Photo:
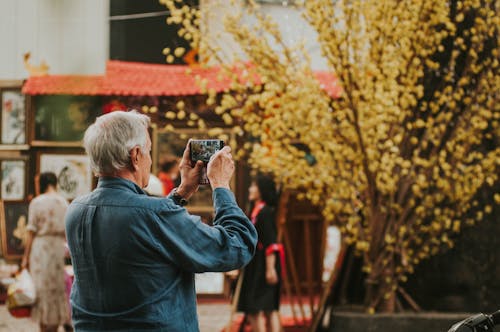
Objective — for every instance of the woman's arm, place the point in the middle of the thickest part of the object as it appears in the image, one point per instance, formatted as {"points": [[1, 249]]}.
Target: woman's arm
{"points": [[271, 274], [27, 251], [267, 235]]}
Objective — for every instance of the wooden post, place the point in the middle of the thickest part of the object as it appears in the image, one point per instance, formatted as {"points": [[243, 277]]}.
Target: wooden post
{"points": [[293, 271], [328, 289], [236, 298], [309, 267]]}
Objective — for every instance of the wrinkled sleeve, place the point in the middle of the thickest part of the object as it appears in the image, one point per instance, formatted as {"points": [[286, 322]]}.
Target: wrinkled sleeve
{"points": [[196, 247], [32, 218]]}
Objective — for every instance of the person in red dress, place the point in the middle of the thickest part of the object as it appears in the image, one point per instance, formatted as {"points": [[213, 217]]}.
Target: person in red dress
{"points": [[259, 297]]}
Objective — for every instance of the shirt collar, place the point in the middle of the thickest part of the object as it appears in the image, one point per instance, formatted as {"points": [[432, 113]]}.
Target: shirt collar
{"points": [[117, 183]]}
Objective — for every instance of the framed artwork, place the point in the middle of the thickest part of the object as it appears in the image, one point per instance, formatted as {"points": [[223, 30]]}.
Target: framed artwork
{"points": [[209, 283], [13, 119], [74, 176], [13, 228], [13, 181], [169, 145], [61, 120]]}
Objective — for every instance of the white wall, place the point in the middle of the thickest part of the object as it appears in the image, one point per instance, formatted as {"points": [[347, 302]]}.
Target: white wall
{"points": [[293, 27], [71, 36]]}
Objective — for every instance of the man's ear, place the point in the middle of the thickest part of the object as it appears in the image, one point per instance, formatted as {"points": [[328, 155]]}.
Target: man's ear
{"points": [[134, 158]]}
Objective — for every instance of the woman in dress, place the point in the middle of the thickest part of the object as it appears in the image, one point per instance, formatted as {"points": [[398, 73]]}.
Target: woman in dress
{"points": [[259, 297], [44, 254]]}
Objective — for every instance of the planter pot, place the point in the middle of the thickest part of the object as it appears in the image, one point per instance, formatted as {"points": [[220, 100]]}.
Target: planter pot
{"points": [[398, 322]]}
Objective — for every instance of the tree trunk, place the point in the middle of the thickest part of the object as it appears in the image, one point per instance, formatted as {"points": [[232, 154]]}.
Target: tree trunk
{"points": [[380, 295], [387, 304]]}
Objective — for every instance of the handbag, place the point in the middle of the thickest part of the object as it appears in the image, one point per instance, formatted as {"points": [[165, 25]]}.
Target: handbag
{"points": [[21, 295]]}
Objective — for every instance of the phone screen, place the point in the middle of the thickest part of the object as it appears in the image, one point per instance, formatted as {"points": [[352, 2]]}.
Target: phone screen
{"points": [[203, 149]]}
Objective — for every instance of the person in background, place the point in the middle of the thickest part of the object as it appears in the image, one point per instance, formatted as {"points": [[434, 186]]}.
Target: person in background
{"points": [[259, 297], [154, 187], [44, 254], [169, 172], [134, 255]]}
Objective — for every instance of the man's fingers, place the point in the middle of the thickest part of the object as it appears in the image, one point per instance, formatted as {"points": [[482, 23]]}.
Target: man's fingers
{"points": [[186, 155], [215, 155], [199, 165], [225, 150]]}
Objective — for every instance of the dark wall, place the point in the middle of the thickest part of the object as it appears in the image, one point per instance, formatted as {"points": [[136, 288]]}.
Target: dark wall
{"points": [[462, 279], [465, 278], [139, 32]]}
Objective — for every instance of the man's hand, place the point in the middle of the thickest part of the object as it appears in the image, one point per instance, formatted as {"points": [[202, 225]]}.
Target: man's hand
{"points": [[190, 176], [220, 168]]}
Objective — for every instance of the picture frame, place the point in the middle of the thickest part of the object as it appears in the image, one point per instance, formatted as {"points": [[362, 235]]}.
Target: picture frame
{"points": [[61, 120], [171, 145], [13, 228], [74, 176], [13, 116], [13, 180], [210, 283]]}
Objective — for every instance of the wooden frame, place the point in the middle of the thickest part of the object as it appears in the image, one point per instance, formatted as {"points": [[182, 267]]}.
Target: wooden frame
{"points": [[210, 283], [74, 176], [61, 120], [14, 179], [13, 228], [13, 116]]}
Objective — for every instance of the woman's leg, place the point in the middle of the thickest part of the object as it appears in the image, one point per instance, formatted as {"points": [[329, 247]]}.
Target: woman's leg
{"points": [[274, 321], [257, 321]]}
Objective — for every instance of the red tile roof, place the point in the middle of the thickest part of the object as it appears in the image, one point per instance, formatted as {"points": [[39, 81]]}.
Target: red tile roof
{"points": [[141, 79], [64, 84]]}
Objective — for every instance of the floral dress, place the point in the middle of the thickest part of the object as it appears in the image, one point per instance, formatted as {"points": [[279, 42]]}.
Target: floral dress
{"points": [[46, 220]]}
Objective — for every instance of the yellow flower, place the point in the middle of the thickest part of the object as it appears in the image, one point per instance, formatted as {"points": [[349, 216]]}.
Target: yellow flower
{"points": [[180, 105], [181, 115], [409, 158]]}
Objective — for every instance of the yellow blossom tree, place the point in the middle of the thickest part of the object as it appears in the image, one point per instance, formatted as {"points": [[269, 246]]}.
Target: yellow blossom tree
{"points": [[398, 159]]}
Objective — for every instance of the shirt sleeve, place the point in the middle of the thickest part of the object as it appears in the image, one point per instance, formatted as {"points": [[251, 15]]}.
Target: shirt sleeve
{"points": [[32, 218], [196, 247]]}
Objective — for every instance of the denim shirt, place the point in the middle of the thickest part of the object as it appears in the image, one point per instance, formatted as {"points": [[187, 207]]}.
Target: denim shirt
{"points": [[135, 256]]}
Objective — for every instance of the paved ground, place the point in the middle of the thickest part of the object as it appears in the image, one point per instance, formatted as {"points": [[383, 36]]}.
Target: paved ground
{"points": [[213, 317]]}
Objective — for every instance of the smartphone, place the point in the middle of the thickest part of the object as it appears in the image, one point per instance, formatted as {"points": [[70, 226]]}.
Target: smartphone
{"points": [[203, 149]]}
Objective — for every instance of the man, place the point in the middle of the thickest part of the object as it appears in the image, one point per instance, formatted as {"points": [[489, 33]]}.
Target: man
{"points": [[134, 255]]}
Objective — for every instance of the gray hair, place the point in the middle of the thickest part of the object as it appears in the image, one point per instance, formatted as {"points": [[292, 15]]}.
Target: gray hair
{"points": [[110, 138]]}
